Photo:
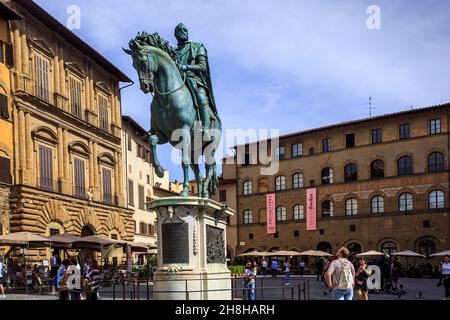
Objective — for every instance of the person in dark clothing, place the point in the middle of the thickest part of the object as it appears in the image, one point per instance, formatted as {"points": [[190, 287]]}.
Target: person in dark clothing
{"points": [[361, 280], [320, 268]]}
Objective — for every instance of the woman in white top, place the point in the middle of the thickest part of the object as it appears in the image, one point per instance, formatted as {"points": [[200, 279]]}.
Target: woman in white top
{"points": [[445, 273]]}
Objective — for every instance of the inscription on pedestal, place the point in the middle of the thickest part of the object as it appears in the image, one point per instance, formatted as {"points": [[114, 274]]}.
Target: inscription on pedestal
{"points": [[175, 242], [215, 245]]}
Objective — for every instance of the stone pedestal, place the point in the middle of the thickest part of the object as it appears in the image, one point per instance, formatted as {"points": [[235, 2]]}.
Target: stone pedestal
{"points": [[191, 249]]}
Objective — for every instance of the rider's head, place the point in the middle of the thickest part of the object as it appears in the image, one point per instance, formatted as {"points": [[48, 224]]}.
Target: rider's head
{"points": [[181, 33]]}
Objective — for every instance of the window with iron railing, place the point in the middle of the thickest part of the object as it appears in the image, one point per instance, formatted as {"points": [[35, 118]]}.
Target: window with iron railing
{"points": [[42, 66], [75, 97]]}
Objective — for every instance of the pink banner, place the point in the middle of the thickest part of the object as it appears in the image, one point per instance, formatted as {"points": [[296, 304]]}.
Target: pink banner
{"points": [[311, 209], [271, 218]]}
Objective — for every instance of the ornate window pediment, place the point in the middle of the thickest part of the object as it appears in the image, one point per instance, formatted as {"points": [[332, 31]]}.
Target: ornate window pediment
{"points": [[103, 87], [76, 68], [45, 134], [107, 159], [79, 148], [40, 45]]}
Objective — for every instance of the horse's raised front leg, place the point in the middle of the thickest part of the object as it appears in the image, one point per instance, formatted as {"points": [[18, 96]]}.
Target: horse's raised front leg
{"points": [[185, 160], [154, 139]]}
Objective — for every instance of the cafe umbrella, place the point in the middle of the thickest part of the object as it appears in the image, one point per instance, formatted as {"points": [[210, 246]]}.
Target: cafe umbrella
{"points": [[24, 240]]}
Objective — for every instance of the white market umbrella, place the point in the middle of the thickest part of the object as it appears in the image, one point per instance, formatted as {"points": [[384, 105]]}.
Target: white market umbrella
{"points": [[255, 253], [441, 254], [314, 253], [408, 253], [372, 253], [282, 253]]}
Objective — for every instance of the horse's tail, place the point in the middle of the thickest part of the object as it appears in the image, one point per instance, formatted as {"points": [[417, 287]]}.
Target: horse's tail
{"points": [[213, 185]]}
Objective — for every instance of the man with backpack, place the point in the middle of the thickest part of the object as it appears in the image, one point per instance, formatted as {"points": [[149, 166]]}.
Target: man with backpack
{"points": [[340, 276]]}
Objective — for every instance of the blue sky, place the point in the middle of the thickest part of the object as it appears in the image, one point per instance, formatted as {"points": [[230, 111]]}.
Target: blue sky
{"points": [[290, 64]]}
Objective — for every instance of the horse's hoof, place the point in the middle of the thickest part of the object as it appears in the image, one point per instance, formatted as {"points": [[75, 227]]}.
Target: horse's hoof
{"points": [[184, 193], [205, 195]]}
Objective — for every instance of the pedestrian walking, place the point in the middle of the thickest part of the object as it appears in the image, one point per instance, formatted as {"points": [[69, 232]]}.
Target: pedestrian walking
{"points": [[75, 293], [61, 279], [320, 268], [445, 276], [301, 267], [340, 276], [2, 279], [93, 278], [287, 273], [54, 266], [264, 267], [274, 268], [250, 281], [361, 280]]}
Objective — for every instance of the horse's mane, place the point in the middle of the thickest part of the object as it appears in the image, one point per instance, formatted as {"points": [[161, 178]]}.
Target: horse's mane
{"points": [[155, 40]]}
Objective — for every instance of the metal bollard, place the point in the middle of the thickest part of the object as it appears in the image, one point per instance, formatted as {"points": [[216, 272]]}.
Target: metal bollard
{"points": [[186, 288], [123, 288], [148, 290], [114, 290], [292, 293], [299, 292]]}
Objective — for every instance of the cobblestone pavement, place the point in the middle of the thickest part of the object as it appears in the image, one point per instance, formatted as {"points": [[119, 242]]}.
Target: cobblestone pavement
{"points": [[273, 290]]}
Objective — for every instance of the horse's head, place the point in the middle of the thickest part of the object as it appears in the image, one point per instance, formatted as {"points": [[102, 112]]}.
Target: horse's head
{"points": [[144, 62]]}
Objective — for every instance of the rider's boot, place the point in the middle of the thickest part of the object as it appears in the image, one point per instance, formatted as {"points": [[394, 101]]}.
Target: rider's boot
{"points": [[204, 113]]}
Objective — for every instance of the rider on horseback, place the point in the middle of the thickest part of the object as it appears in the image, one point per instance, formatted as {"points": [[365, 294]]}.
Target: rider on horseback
{"points": [[193, 63]]}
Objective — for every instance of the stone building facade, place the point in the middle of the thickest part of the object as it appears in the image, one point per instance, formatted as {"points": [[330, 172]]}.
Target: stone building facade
{"points": [[382, 183], [68, 165], [6, 127]]}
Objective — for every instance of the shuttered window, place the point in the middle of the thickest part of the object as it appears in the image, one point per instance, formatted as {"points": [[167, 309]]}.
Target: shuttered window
{"points": [[107, 196], [143, 228], [46, 168], [75, 97], [4, 113], [141, 198], [130, 193], [79, 178], [150, 229], [9, 54], [103, 111], [5, 170], [42, 69]]}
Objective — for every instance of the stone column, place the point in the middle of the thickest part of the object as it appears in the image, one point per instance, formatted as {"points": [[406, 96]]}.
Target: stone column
{"points": [[94, 156], [28, 141], [117, 190], [25, 54], [22, 142], [91, 165], [120, 170], [60, 155], [92, 95], [87, 94], [56, 75], [17, 51], [62, 78], [66, 164], [16, 144]]}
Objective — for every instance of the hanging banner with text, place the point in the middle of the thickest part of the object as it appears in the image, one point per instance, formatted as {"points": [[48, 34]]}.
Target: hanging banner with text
{"points": [[271, 218], [311, 209]]}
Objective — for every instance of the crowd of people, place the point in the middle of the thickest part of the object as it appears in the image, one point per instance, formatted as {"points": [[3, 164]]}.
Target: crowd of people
{"points": [[343, 274]]}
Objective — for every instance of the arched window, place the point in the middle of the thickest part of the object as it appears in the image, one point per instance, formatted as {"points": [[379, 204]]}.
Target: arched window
{"points": [[324, 246], [299, 212], [388, 247], [263, 185], [404, 166], [350, 172], [297, 180], [327, 175], [354, 248], [280, 183], [426, 247], [351, 207], [281, 213], [405, 202], [377, 204], [435, 162], [436, 199], [377, 169], [248, 216], [327, 209], [248, 187]]}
